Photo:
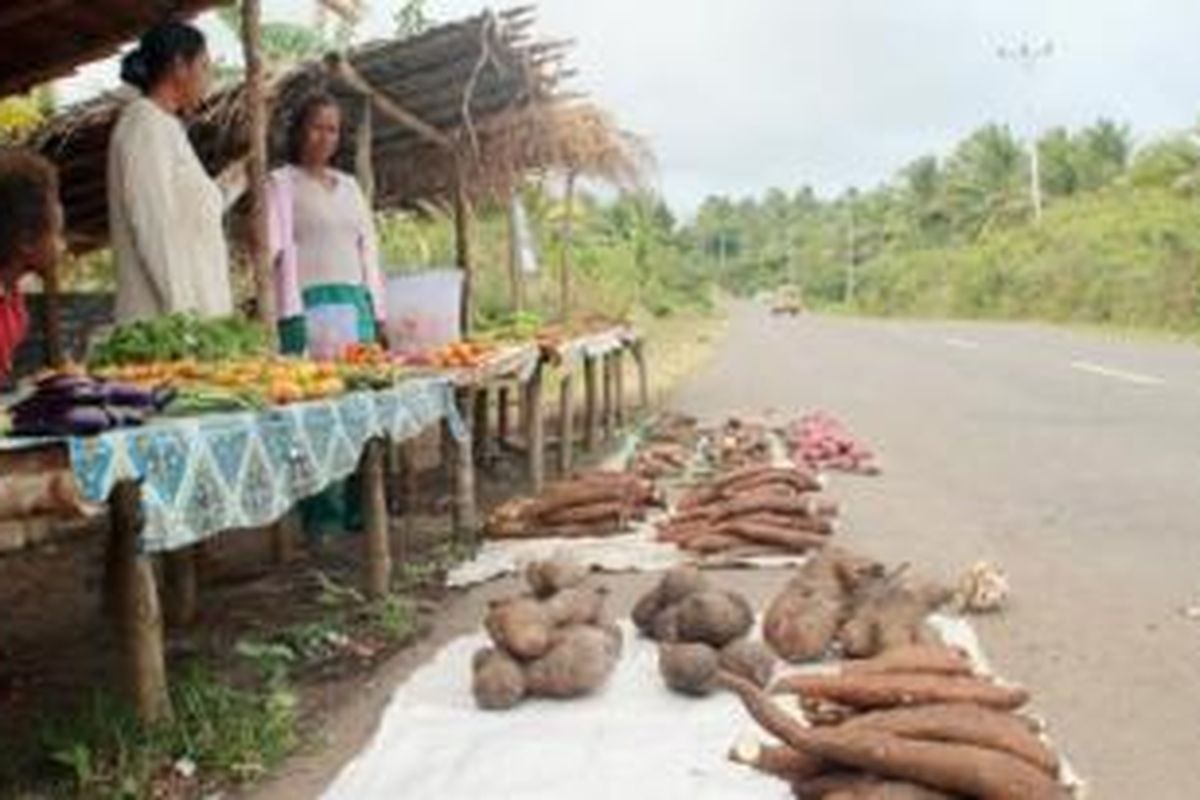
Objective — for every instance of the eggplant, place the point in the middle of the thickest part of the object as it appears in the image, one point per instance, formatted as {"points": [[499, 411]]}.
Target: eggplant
{"points": [[74, 421], [126, 416], [123, 394], [63, 382]]}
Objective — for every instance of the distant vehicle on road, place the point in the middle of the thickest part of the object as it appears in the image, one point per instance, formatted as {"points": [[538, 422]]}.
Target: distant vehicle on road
{"points": [[788, 300]]}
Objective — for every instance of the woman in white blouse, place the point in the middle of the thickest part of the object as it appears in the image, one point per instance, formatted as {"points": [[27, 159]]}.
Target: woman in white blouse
{"points": [[329, 287], [164, 210]]}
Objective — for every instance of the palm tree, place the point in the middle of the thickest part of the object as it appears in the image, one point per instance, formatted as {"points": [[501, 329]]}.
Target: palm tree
{"points": [[986, 178]]}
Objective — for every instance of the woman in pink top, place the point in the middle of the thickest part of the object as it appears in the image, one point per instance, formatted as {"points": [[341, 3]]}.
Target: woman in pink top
{"points": [[31, 224], [329, 288]]}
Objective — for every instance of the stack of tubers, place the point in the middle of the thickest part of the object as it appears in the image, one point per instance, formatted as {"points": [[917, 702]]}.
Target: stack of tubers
{"points": [[915, 723], [822, 442], [555, 642], [701, 630], [738, 444], [753, 511], [590, 504], [839, 601]]}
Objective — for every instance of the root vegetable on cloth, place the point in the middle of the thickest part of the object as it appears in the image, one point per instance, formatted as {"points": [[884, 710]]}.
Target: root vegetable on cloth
{"points": [[498, 681], [522, 626], [802, 620], [917, 658], [891, 612], [956, 768], [857, 786], [895, 690], [749, 659], [714, 617], [689, 667], [552, 575], [676, 584], [579, 662]]}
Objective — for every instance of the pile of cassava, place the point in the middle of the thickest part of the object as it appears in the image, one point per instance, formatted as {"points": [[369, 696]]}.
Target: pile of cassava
{"points": [[904, 716], [589, 504], [557, 641], [755, 510], [700, 631], [915, 723]]}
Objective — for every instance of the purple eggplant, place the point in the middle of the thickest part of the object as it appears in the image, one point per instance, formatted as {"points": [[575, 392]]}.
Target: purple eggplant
{"points": [[75, 421], [123, 394]]}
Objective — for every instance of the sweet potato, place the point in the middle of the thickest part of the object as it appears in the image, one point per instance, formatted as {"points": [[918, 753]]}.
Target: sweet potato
{"points": [[802, 620], [963, 723], [521, 626], [579, 662], [955, 768], [932, 659], [895, 690], [545, 578], [688, 667], [776, 760], [576, 606], [749, 659], [497, 680], [714, 617]]}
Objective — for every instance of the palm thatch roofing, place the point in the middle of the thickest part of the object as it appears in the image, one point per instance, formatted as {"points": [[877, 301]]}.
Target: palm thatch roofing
{"points": [[478, 101], [47, 39]]}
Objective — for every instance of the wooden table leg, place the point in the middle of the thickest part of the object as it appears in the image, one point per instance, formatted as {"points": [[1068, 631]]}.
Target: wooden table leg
{"points": [[503, 402], [407, 491], [618, 359], [566, 422], [606, 408], [138, 616], [464, 521], [590, 405], [480, 432], [535, 430], [284, 535], [375, 520], [180, 569], [639, 359]]}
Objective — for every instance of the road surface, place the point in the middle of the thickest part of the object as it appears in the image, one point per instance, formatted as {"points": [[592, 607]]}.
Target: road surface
{"points": [[1073, 460]]}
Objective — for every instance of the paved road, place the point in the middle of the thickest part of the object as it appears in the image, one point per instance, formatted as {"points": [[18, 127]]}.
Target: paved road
{"points": [[1071, 459]]}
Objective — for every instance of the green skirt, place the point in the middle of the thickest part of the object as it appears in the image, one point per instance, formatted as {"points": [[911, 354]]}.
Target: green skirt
{"points": [[338, 509]]}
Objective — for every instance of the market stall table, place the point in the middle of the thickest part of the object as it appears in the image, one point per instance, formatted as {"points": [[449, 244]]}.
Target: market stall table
{"points": [[604, 395], [175, 483]]}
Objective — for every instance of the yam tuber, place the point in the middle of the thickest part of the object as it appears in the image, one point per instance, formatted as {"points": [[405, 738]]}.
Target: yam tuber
{"points": [[777, 760], [497, 680], [676, 584], [894, 690], [802, 620], [955, 768], [553, 575], [576, 606], [579, 662], [749, 659], [521, 626], [890, 612], [688, 667], [714, 617]]}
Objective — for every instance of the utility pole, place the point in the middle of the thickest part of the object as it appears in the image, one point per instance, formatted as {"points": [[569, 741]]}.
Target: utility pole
{"points": [[1028, 55]]}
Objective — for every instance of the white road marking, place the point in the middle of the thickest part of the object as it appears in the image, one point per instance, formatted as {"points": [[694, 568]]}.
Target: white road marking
{"points": [[1117, 374], [963, 344]]}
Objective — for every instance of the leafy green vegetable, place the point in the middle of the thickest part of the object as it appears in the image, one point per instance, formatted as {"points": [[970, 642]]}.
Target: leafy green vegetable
{"points": [[177, 337]]}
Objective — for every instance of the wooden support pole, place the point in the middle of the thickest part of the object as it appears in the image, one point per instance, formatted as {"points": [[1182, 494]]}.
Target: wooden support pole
{"points": [[590, 405], [408, 491], [516, 280], [284, 535], [180, 569], [462, 245], [618, 359], [256, 163], [52, 317], [465, 524], [503, 402], [606, 399], [535, 430], [138, 616], [480, 433], [637, 348], [566, 422], [568, 235], [375, 519]]}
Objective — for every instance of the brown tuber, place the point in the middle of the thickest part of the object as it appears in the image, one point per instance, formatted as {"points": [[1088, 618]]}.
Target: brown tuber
{"points": [[749, 659], [521, 626], [579, 662], [546, 578], [714, 617], [497, 681], [688, 668]]}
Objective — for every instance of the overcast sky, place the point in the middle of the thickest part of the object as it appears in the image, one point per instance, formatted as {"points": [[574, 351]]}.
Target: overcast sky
{"points": [[739, 95]]}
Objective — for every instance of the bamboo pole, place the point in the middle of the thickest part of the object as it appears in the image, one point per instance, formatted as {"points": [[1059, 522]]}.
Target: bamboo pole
{"points": [[566, 422], [138, 616], [568, 234], [535, 430], [590, 404], [375, 516], [256, 163]]}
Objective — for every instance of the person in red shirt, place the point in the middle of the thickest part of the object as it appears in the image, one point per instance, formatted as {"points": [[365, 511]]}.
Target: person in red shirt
{"points": [[31, 227]]}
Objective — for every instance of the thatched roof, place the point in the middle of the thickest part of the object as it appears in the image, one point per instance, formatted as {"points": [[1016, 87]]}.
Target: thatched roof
{"points": [[47, 39], [481, 92]]}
